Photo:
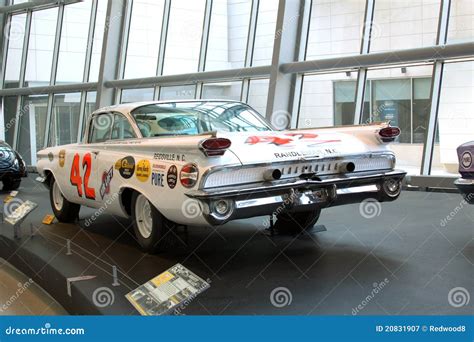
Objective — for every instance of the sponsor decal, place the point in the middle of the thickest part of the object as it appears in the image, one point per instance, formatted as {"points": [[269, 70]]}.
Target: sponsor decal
{"points": [[466, 160], [287, 139], [62, 157], [106, 180], [157, 178], [156, 166], [189, 175], [170, 156], [287, 154], [172, 176], [50, 156], [143, 170], [307, 153], [126, 167]]}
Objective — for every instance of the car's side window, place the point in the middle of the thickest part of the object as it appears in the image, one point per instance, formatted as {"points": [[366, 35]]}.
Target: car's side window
{"points": [[101, 127], [122, 128]]}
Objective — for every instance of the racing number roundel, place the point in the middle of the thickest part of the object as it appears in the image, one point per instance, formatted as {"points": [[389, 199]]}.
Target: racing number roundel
{"points": [[189, 175], [79, 180]]}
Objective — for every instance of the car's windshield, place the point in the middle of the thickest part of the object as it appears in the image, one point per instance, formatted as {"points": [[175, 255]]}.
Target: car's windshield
{"points": [[190, 118]]}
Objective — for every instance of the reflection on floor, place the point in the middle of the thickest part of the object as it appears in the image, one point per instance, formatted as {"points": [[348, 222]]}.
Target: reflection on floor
{"points": [[20, 296]]}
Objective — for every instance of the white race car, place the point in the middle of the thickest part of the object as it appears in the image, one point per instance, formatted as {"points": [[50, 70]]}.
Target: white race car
{"points": [[208, 162]]}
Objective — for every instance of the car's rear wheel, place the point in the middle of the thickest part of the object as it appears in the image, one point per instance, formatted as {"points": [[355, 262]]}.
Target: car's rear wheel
{"points": [[152, 230], [297, 222], [390, 190], [64, 210], [10, 184]]}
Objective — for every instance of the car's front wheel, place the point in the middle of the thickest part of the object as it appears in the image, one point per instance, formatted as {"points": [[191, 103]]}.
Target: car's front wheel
{"points": [[152, 230], [64, 210], [297, 222], [10, 184]]}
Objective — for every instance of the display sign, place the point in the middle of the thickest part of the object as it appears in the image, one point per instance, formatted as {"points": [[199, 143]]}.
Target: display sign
{"points": [[167, 291], [21, 212], [48, 219]]}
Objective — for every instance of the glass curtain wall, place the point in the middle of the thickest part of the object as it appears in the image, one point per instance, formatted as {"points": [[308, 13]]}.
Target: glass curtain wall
{"points": [[222, 90], [455, 116], [228, 33], [9, 108], [73, 43], [185, 30], [65, 118], [144, 38], [404, 24], [33, 118], [335, 28], [400, 93], [39, 61], [15, 40]]}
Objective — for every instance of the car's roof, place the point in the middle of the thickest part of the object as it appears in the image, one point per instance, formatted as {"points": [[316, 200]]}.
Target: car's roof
{"points": [[128, 107]]}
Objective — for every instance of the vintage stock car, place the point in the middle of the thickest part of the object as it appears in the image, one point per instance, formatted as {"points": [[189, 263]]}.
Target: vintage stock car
{"points": [[465, 184], [208, 162]]}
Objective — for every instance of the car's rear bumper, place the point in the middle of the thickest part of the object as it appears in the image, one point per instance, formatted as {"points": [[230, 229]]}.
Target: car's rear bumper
{"points": [[466, 187], [294, 195]]}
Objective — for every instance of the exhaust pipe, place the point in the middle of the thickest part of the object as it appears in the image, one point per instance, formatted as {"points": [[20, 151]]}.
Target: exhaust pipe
{"points": [[347, 167], [271, 175]]}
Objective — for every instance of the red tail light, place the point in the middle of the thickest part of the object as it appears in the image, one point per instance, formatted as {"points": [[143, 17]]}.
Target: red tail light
{"points": [[389, 133], [215, 146]]}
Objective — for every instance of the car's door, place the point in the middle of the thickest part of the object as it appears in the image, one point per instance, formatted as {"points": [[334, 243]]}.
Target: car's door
{"points": [[121, 131], [85, 173]]}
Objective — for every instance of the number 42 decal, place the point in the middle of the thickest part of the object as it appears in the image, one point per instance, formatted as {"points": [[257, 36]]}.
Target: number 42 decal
{"points": [[76, 178]]}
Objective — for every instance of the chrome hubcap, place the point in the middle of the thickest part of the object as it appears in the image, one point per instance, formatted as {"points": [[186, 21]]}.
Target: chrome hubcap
{"points": [[58, 198], [143, 216], [392, 187]]}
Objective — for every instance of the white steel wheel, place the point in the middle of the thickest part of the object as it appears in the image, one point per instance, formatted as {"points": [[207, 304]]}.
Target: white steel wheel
{"points": [[64, 210], [153, 231], [143, 216], [58, 199]]}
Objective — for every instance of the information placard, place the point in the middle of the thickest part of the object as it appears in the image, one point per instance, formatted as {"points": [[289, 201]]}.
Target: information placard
{"points": [[21, 212], [167, 292]]}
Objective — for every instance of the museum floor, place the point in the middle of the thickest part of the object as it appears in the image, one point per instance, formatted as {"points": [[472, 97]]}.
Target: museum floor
{"points": [[31, 301], [401, 259]]}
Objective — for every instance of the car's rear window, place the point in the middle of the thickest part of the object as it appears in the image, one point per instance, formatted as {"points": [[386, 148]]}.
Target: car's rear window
{"points": [[190, 118]]}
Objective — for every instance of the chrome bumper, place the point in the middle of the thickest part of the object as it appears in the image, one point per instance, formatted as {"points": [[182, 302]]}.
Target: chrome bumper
{"points": [[462, 182], [292, 195]]}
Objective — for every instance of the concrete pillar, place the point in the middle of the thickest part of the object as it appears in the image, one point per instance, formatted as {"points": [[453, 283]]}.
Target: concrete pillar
{"points": [[111, 50]]}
